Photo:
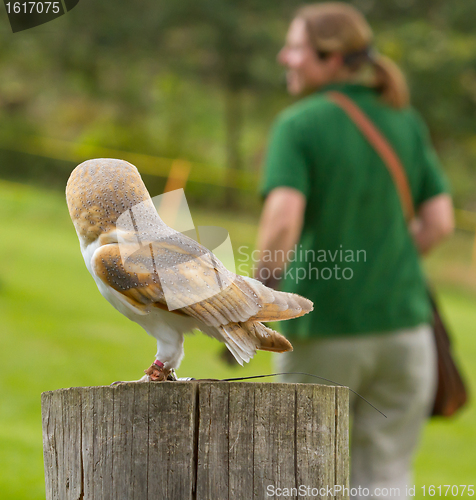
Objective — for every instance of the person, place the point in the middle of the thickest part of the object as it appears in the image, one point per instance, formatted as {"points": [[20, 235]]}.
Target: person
{"points": [[333, 228]]}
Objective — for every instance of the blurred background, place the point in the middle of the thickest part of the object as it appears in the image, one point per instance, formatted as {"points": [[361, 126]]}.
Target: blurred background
{"points": [[189, 86]]}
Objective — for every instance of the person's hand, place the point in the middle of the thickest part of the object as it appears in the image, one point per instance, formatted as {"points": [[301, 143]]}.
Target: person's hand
{"points": [[434, 222]]}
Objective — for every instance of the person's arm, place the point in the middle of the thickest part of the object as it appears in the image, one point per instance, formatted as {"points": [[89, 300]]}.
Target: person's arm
{"points": [[434, 222], [279, 231]]}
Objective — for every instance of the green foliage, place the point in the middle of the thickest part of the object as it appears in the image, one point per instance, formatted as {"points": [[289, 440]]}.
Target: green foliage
{"points": [[199, 79]]}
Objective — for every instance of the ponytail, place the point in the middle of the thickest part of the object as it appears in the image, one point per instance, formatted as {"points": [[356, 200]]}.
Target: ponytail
{"points": [[390, 81], [340, 27]]}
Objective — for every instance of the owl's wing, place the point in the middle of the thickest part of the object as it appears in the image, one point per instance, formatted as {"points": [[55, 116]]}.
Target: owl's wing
{"points": [[186, 278]]}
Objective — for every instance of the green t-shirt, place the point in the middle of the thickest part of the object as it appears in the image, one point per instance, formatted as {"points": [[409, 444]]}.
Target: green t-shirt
{"points": [[355, 259]]}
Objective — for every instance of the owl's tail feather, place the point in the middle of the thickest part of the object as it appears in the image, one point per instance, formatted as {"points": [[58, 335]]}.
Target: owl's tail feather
{"points": [[241, 345], [269, 340], [244, 339], [277, 306]]}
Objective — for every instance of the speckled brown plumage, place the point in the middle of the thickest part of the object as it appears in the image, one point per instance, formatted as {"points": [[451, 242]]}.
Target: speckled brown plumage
{"points": [[136, 260], [98, 192]]}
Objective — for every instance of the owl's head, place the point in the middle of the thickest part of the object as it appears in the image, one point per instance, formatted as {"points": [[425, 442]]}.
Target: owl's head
{"points": [[99, 191]]}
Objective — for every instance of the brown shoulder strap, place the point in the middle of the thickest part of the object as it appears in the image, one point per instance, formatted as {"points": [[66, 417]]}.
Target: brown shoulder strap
{"points": [[381, 146]]}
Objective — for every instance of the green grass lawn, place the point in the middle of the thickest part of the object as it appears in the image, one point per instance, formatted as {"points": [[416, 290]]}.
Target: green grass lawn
{"points": [[57, 331]]}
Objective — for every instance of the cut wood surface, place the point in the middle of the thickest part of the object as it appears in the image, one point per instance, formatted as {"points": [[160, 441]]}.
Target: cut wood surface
{"points": [[194, 441]]}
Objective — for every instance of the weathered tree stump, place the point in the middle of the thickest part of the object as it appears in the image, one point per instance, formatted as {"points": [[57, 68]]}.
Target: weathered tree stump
{"points": [[195, 440]]}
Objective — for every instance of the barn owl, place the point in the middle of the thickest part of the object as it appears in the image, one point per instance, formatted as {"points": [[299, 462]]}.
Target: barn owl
{"points": [[135, 262]]}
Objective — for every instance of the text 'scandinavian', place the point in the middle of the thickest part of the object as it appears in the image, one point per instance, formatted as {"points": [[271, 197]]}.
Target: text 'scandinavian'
{"points": [[142, 266]]}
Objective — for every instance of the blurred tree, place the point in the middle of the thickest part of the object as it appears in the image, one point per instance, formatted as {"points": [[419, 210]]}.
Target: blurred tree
{"points": [[224, 41], [198, 78]]}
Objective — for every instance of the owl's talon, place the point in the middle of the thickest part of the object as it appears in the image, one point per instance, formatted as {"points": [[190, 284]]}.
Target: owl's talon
{"points": [[157, 372]]}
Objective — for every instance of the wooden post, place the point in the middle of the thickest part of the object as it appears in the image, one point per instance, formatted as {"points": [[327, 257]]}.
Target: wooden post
{"points": [[195, 441]]}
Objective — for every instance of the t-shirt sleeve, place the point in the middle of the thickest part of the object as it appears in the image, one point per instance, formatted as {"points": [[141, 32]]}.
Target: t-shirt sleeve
{"points": [[285, 163], [432, 179]]}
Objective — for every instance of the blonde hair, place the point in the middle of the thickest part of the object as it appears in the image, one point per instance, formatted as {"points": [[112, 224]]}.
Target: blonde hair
{"points": [[340, 27]]}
